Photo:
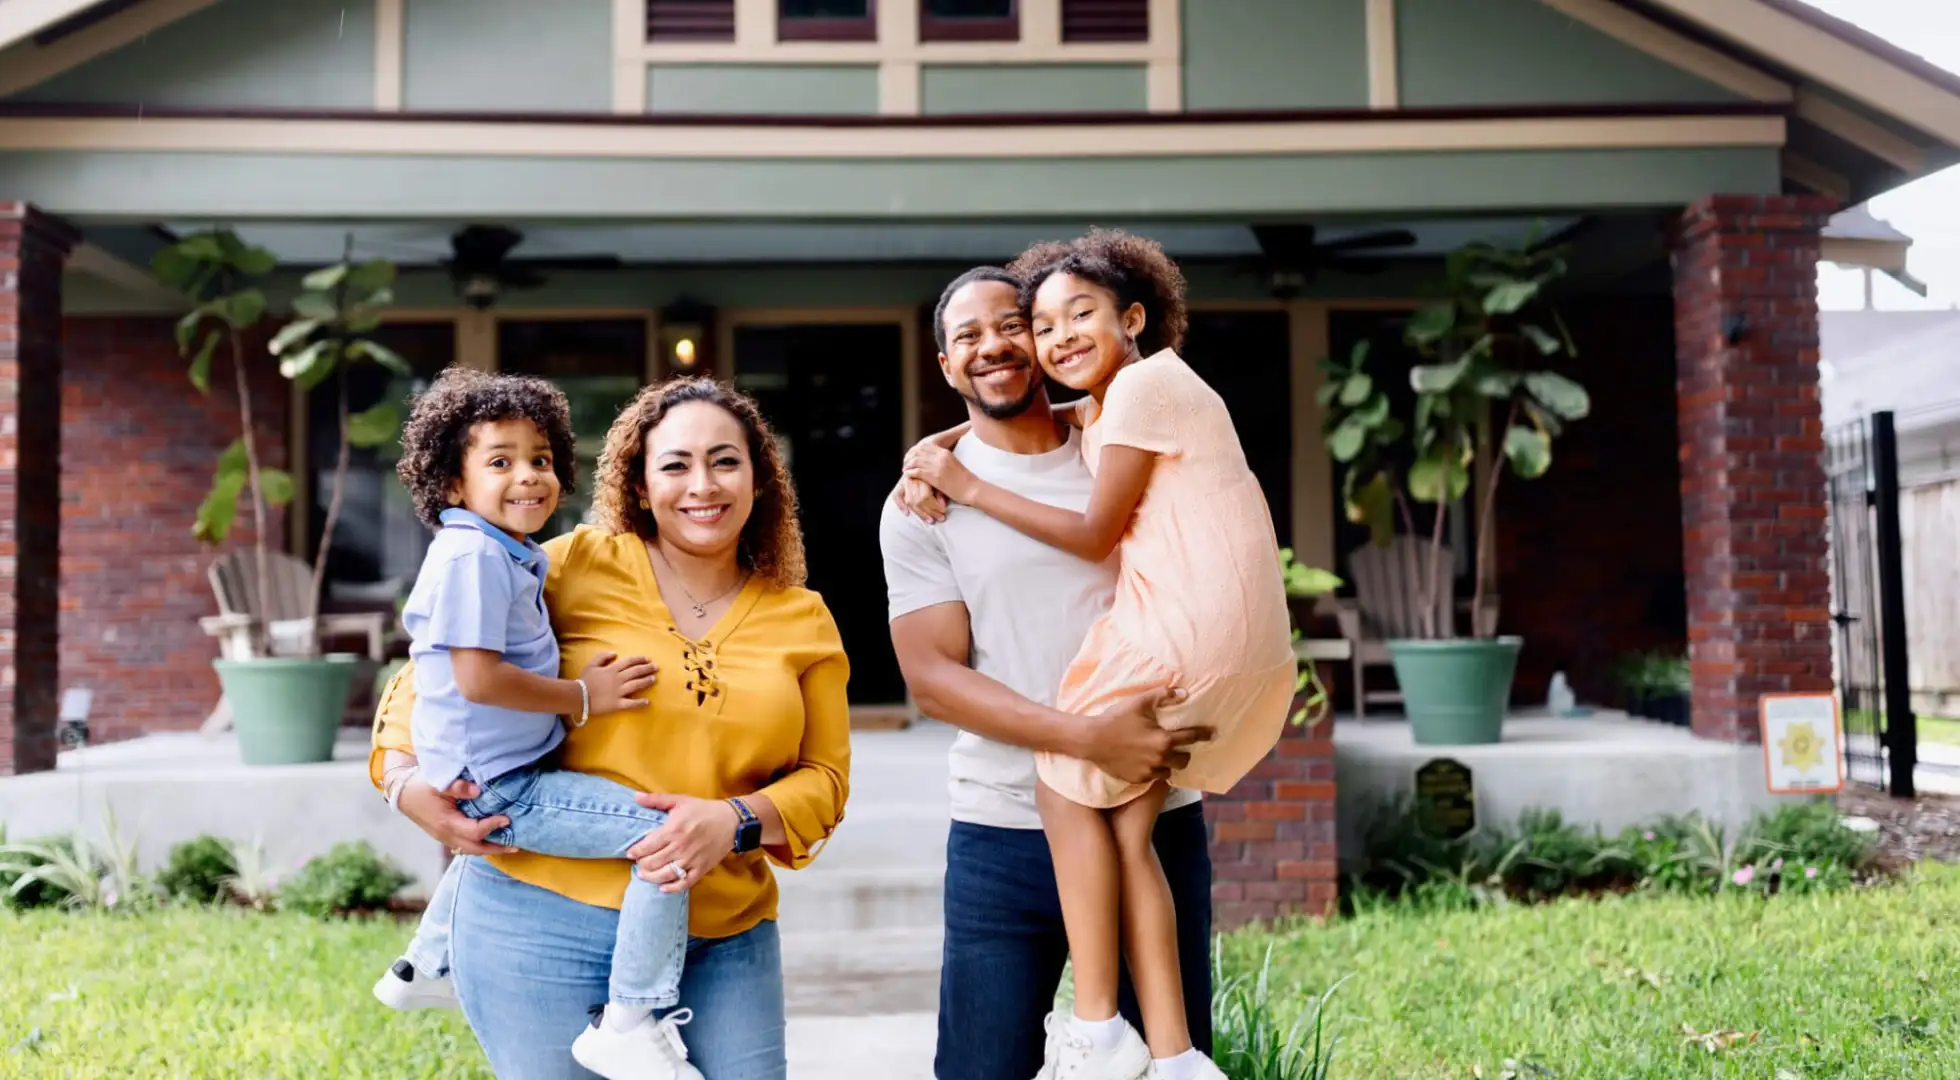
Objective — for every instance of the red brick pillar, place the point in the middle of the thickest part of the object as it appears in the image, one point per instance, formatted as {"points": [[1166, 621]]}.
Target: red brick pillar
{"points": [[1272, 836], [1753, 499], [33, 247]]}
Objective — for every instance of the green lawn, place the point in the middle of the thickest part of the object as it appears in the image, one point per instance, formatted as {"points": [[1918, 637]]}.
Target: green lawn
{"points": [[1850, 984], [213, 994], [1829, 986]]}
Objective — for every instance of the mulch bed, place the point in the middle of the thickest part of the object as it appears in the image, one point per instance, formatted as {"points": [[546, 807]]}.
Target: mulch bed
{"points": [[1909, 830]]}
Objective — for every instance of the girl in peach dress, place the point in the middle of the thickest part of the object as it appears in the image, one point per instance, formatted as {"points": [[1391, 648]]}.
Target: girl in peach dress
{"points": [[1200, 606]]}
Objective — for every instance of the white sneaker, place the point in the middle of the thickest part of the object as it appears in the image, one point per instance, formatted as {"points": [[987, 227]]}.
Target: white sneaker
{"points": [[401, 987], [1207, 1070], [1071, 1057], [649, 1050]]}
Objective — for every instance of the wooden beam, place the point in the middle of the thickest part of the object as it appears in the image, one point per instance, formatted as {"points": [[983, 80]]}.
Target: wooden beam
{"points": [[1860, 132], [790, 141], [112, 269], [1862, 74], [24, 65], [22, 19], [1655, 40], [388, 55], [1384, 79], [1818, 178]]}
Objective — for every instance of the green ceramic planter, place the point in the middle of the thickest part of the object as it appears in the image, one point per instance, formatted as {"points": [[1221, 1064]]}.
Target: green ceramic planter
{"points": [[286, 710], [1456, 691]]}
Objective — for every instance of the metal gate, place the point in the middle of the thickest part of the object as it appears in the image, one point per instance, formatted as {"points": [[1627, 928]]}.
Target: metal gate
{"points": [[1868, 593]]}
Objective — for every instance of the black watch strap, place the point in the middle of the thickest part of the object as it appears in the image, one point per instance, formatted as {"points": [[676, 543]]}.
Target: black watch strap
{"points": [[748, 830]]}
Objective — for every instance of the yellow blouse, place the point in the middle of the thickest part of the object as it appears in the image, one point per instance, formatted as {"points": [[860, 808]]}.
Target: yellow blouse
{"points": [[755, 707]]}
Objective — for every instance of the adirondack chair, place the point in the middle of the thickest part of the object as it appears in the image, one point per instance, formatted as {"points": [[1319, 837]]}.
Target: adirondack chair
{"points": [[1388, 583], [234, 578]]}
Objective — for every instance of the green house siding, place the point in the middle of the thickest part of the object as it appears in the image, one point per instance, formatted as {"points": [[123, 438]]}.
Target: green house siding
{"points": [[763, 89], [149, 186], [507, 55], [1031, 88], [1521, 52], [1275, 54], [237, 53]]}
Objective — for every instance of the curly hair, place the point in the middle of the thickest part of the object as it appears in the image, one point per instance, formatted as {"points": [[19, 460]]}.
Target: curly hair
{"points": [[1133, 267], [772, 540], [438, 431]]}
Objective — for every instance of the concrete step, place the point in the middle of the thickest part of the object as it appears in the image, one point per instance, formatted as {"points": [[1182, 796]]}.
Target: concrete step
{"points": [[892, 1047], [862, 972], [854, 899]]}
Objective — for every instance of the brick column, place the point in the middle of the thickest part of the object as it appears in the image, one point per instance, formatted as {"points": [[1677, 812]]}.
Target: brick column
{"points": [[1272, 836], [1753, 498], [33, 247]]}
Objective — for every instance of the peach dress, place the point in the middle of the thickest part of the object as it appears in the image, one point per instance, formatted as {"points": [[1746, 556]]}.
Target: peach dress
{"points": [[1200, 602]]}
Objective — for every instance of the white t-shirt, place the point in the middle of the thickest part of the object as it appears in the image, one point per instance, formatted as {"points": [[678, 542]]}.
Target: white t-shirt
{"points": [[1029, 605]]}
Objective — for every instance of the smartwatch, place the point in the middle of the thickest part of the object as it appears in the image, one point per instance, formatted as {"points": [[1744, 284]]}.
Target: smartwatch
{"points": [[748, 831]]}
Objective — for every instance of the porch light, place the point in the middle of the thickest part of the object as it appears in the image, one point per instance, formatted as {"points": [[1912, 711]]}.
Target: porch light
{"points": [[686, 334]]}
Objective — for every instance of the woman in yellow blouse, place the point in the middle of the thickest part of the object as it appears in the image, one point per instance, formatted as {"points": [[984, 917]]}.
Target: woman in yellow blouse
{"points": [[697, 565]]}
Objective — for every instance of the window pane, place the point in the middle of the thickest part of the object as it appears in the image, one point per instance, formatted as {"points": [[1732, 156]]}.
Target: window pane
{"points": [[600, 364], [970, 9], [378, 542], [826, 9]]}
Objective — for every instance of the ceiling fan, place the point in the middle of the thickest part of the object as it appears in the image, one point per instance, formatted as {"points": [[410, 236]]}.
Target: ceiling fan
{"points": [[481, 266], [1292, 256]]}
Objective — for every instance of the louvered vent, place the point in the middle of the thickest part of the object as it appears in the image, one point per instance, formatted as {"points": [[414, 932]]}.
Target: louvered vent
{"points": [[690, 20], [1105, 20]]}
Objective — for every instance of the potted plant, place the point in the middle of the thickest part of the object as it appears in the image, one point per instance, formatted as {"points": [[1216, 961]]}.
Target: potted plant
{"points": [[1657, 686], [1481, 394], [286, 702], [1307, 583]]}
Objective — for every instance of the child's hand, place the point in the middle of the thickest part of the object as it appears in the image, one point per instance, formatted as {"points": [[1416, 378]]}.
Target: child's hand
{"points": [[613, 684], [916, 497], [937, 466]]}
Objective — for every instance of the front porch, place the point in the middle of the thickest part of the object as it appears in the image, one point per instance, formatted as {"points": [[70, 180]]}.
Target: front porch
{"points": [[1604, 769]]}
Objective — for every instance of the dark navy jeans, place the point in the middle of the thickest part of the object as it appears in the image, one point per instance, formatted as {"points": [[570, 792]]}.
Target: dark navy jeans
{"points": [[1005, 945]]}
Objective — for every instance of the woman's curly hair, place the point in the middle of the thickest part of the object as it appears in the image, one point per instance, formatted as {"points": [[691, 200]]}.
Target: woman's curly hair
{"points": [[772, 539], [438, 431], [1133, 267]]}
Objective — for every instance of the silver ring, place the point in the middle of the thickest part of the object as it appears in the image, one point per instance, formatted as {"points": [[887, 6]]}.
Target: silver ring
{"points": [[679, 871]]}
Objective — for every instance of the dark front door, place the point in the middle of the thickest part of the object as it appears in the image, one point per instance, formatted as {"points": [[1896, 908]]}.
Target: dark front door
{"points": [[835, 396], [1245, 356]]}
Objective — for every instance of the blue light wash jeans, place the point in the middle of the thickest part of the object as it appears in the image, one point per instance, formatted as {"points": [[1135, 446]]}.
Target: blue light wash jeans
{"points": [[1005, 945], [578, 816], [531, 965]]}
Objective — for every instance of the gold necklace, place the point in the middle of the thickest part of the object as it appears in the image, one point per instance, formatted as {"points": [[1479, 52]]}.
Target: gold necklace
{"points": [[699, 607]]}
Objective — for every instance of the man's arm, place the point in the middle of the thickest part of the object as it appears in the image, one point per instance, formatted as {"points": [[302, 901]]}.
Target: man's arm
{"points": [[1126, 742], [933, 644]]}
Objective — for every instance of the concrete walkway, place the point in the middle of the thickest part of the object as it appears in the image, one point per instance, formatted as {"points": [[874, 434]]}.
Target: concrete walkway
{"points": [[894, 1047]]}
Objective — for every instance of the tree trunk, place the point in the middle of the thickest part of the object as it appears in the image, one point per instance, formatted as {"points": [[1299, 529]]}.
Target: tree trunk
{"points": [[1486, 526], [262, 632], [333, 508]]}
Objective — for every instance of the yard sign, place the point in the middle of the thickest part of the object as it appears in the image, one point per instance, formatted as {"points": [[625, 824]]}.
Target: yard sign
{"points": [[1803, 751]]}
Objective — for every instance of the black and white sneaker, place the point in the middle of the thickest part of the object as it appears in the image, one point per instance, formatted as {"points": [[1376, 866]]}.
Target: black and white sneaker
{"points": [[404, 989]]}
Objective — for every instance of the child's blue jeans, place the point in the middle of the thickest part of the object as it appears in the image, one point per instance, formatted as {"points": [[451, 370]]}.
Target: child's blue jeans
{"points": [[577, 816]]}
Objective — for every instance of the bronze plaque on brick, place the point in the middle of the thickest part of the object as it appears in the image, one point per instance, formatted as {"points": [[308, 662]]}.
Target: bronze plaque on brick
{"points": [[1446, 800]]}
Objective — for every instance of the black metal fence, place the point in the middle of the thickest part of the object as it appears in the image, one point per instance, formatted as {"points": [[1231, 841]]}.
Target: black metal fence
{"points": [[1881, 747]]}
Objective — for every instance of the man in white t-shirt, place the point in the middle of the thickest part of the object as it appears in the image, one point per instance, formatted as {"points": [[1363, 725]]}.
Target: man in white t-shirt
{"points": [[985, 621]]}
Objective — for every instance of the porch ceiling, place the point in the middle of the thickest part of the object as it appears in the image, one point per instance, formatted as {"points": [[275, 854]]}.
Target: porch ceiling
{"points": [[427, 244]]}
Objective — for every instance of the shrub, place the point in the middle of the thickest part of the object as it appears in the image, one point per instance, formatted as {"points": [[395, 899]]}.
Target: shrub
{"points": [[349, 877], [30, 859], [1251, 1040], [198, 871]]}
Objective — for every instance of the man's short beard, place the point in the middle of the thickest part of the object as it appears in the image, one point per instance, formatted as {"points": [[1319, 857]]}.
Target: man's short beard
{"points": [[1006, 410]]}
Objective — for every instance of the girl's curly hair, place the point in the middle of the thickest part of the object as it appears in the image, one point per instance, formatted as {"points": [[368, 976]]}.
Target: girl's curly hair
{"points": [[438, 431], [1133, 267], [772, 540]]}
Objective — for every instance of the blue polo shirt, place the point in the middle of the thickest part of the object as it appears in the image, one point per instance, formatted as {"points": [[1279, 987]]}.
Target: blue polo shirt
{"points": [[479, 588]]}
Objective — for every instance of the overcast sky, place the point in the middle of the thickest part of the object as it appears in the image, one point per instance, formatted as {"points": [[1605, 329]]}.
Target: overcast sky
{"points": [[1929, 210]]}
